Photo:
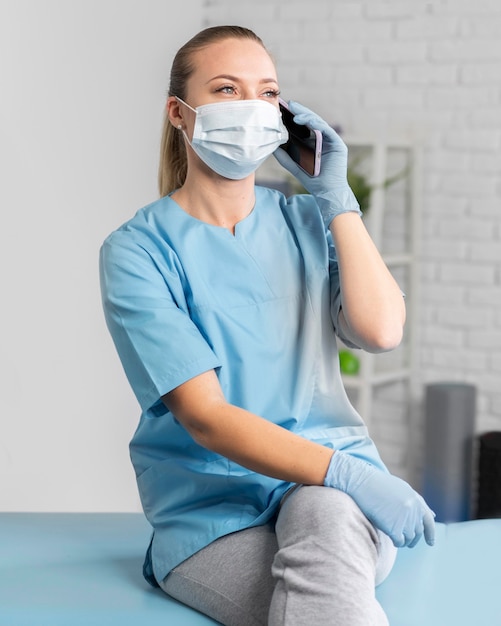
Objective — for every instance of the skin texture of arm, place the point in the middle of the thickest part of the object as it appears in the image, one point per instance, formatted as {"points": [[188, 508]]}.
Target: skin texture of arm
{"points": [[244, 437]]}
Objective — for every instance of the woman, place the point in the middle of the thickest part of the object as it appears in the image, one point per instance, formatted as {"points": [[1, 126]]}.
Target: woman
{"points": [[269, 502]]}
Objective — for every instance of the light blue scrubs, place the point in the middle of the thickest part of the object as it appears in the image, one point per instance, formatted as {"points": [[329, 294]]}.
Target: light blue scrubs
{"points": [[260, 307]]}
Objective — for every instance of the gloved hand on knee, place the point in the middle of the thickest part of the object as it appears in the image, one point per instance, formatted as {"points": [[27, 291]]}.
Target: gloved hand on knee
{"points": [[386, 500]]}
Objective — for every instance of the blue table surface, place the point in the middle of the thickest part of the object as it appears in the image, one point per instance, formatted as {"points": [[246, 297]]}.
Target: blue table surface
{"points": [[72, 569], [81, 570]]}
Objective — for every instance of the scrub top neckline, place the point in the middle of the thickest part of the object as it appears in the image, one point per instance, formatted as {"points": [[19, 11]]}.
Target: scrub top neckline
{"points": [[243, 224]]}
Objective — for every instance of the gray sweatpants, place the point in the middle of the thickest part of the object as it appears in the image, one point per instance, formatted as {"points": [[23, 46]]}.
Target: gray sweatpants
{"points": [[317, 563]]}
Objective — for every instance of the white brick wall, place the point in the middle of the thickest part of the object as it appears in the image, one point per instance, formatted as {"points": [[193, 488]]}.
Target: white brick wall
{"points": [[432, 70]]}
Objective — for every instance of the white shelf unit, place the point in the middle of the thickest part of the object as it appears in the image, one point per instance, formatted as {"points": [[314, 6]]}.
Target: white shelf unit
{"points": [[393, 221]]}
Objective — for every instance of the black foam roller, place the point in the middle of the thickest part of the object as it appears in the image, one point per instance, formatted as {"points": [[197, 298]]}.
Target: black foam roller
{"points": [[489, 475]]}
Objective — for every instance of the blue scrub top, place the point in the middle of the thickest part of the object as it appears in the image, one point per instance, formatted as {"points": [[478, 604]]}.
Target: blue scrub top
{"points": [[260, 307]]}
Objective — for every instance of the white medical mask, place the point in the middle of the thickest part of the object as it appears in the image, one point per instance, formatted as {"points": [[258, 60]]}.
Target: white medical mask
{"points": [[235, 138]]}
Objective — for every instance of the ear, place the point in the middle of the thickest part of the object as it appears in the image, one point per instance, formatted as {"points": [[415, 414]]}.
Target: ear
{"points": [[174, 112]]}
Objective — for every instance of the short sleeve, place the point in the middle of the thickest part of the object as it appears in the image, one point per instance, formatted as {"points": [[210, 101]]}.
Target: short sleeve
{"points": [[335, 287], [157, 342]]}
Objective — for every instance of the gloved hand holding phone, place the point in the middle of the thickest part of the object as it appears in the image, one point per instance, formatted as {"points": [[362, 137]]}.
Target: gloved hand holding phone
{"points": [[386, 500], [330, 188]]}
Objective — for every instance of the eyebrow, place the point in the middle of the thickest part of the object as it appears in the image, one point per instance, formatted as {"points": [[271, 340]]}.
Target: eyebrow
{"points": [[236, 79]]}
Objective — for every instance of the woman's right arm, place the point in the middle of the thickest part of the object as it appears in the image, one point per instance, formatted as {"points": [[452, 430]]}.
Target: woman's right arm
{"points": [[243, 437], [261, 446]]}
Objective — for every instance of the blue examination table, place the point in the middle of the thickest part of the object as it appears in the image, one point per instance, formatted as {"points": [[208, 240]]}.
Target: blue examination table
{"points": [[86, 570]]}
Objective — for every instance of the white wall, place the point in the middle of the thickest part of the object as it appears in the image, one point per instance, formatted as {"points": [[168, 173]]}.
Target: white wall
{"points": [[82, 86], [81, 91]]}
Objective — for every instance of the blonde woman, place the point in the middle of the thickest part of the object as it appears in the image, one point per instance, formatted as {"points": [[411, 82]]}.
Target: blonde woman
{"points": [[268, 500]]}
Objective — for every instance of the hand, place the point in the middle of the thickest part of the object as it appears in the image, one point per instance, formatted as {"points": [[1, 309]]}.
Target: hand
{"points": [[330, 188], [387, 501]]}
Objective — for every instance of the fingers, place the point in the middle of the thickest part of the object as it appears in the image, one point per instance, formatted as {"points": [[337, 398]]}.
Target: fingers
{"points": [[408, 537], [305, 116], [429, 527], [425, 524], [420, 520], [418, 533], [287, 162], [407, 533], [398, 540], [297, 109]]}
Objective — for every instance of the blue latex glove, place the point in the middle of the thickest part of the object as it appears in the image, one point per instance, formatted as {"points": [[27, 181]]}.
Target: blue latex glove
{"points": [[330, 188], [386, 500]]}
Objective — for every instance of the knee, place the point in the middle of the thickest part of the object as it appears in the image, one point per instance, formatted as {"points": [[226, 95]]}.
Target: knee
{"points": [[322, 531], [317, 504], [315, 517], [324, 536]]}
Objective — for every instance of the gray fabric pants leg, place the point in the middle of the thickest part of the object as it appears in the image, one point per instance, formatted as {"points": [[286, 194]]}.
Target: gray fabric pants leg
{"points": [[327, 563], [230, 580], [319, 564]]}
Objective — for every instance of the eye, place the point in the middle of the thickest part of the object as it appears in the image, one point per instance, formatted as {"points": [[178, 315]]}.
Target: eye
{"points": [[271, 93], [229, 89]]}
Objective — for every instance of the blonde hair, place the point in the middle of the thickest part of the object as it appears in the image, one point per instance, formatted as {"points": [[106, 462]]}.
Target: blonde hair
{"points": [[173, 163]]}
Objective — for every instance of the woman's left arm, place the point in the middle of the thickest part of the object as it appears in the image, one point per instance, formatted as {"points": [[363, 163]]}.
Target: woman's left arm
{"points": [[372, 312], [372, 307]]}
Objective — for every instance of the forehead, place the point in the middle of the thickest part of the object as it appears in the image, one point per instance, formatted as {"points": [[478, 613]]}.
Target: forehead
{"points": [[242, 58]]}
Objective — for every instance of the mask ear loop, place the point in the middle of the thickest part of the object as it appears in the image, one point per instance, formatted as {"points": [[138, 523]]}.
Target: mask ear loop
{"points": [[181, 128], [185, 104]]}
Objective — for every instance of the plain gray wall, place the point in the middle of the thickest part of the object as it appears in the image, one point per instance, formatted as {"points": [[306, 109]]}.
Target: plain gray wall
{"points": [[82, 84]]}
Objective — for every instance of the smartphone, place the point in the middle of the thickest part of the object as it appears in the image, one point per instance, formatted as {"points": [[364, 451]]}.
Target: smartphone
{"points": [[304, 144]]}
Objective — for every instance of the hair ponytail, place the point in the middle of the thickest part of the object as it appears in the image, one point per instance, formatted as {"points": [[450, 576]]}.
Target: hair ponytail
{"points": [[173, 163]]}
